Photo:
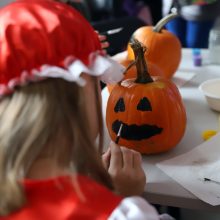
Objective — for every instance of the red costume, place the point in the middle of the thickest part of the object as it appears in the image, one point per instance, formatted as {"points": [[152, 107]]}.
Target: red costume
{"points": [[57, 199]]}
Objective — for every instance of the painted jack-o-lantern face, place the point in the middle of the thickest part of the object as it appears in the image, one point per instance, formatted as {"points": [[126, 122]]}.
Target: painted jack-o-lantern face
{"points": [[150, 110], [152, 115], [133, 131]]}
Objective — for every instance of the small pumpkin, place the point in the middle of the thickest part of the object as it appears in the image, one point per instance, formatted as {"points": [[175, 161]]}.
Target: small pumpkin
{"points": [[149, 109], [163, 47]]}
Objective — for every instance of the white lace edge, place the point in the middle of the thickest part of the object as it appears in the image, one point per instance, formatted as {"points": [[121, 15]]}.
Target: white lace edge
{"points": [[133, 208], [105, 67]]}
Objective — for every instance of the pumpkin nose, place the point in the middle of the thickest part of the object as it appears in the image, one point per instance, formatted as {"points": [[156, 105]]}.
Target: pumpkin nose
{"points": [[144, 105]]}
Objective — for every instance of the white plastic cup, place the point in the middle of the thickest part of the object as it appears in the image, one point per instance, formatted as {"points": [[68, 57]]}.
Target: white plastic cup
{"points": [[214, 46]]}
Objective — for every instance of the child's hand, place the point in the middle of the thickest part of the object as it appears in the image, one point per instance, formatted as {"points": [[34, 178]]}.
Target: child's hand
{"points": [[104, 42], [124, 166]]}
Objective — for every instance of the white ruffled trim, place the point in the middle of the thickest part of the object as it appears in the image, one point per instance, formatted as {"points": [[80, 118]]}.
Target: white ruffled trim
{"points": [[136, 208], [106, 68]]}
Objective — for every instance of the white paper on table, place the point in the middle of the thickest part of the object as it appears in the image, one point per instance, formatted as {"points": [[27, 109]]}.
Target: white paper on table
{"points": [[181, 78], [190, 169]]}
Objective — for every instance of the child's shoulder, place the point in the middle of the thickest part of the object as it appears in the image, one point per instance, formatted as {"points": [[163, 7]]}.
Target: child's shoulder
{"points": [[78, 188], [80, 198], [65, 198]]}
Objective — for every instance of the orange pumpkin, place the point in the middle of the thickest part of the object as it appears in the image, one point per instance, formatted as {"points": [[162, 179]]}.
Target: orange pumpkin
{"points": [[149, 109], [163, 47], [132, 72]]}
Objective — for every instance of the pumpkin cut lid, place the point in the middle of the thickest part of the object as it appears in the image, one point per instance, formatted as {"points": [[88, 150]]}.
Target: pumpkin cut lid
{"points": [[46, 39]]}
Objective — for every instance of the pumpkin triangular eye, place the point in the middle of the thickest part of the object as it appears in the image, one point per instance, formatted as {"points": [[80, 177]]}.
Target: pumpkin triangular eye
{"points": [[144, 105], [120, 105]]}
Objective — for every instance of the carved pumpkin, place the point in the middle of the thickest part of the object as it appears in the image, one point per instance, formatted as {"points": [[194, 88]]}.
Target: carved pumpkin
{"points": [[163, 47], [132, 72], [150, 110]]}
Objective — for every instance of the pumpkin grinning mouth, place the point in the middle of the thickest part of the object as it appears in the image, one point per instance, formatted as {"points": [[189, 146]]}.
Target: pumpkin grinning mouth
{"points": [[136, 132]]}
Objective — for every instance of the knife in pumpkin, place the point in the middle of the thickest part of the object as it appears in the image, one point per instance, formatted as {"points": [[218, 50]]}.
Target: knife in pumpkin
{"points": [[112, 31]]}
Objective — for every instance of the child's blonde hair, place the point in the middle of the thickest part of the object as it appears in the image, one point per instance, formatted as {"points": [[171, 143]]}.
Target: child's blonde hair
{"points": [[49, 118]]}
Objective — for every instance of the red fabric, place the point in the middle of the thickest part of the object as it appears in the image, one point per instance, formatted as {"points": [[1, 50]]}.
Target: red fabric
{"points": [[37, 32], [56, 199]]}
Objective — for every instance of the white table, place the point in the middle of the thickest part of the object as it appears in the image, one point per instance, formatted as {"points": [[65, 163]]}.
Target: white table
{"points": [[160, 188]]}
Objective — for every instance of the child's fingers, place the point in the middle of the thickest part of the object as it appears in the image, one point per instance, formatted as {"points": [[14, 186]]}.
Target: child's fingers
{"points": [[106, 158], [137, 159], [105, 44], [127, 156], [116, 160], [103, 40], [102, 37]]}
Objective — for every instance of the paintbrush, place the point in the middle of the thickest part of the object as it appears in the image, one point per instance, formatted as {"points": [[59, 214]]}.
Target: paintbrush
{"points": [[119, 134]]}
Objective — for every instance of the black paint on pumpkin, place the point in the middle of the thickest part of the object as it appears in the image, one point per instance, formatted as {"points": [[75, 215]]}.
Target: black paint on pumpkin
{"points": [[144, 105], [120, 105], [136, 132]]}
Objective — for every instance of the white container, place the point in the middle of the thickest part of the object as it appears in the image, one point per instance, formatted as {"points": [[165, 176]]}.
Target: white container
{"points": [[214, 46], [211, 90], [214, 43]]}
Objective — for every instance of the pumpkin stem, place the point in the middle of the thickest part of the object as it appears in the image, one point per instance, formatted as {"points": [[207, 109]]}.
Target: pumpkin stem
{"points": [[143, 75], [160, 24]]}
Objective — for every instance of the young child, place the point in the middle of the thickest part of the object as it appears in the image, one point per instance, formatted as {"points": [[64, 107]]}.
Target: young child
{"points": [[50, 65]]}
